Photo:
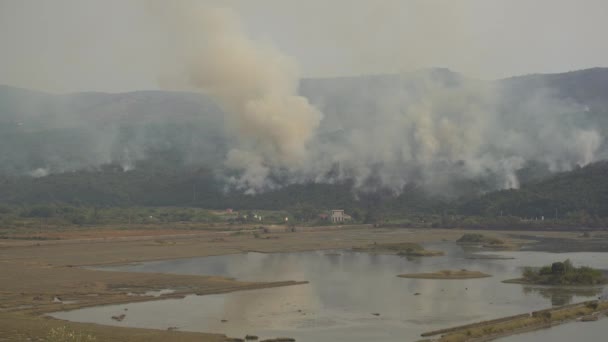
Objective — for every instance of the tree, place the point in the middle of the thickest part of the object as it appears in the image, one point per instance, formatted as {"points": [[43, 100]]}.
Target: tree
{"points": [[304, 212], [558, 268], [357, 215], [529, 273], [40, 211], [371, 216]]}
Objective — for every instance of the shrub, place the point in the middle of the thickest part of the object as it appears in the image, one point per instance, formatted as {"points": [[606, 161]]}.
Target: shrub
{"points": [[558, 268], [593, 305], [564, 273], [63, 334], [471, 238], [40, 211]]}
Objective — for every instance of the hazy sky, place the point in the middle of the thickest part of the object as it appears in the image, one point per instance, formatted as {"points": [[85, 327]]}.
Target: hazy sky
{"points": [[118, 45]]}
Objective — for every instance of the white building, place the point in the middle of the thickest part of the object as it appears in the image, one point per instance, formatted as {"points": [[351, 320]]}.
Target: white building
{"points": [[338, 215]]}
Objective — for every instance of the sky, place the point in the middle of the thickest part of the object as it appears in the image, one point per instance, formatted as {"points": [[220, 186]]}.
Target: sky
{"points": [[124, 45]]}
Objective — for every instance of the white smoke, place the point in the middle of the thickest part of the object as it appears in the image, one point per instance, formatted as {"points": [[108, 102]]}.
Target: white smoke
{"points": [[39, 172], [257, 88], [127, 163], [437, 127], [587, 142], [431, 127], [254, 174]]}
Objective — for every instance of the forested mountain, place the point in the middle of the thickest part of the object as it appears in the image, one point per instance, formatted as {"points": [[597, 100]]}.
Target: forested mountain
{"points": [[583, 191], [110, 186], [157, 148]]}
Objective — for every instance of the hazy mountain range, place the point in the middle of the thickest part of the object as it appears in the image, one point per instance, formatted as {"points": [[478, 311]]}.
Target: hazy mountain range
{"points": [[434, 130]]}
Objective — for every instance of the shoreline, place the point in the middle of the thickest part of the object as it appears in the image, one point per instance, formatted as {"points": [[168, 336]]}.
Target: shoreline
{"points": [[523, 281], [35, 272], [519, 324], [447, 275], [173, 295]]}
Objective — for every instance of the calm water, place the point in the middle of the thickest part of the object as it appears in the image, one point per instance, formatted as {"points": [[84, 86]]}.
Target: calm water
{"points": [[344, 292], [578, 331]]}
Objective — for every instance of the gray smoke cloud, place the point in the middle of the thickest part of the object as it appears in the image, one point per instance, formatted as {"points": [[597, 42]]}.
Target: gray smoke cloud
{"points": [[435, 127], [42, 134], [251, 117], [256, 86], [429, 127]]}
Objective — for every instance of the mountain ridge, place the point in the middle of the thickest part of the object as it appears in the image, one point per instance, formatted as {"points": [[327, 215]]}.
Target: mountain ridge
{"points": [[174, 133]]}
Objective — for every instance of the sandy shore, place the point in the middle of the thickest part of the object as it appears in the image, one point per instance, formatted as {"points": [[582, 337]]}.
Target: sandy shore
{"points": [[519, 324], [446, 274], [36, 274]]}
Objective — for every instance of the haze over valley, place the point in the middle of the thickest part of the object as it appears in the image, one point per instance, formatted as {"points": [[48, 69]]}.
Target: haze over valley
{"points": [[311, 171]]}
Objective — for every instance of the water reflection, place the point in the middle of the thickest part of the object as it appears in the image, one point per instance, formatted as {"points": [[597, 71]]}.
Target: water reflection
{"points": [[345, 289], [576, 331], [564, 296]]}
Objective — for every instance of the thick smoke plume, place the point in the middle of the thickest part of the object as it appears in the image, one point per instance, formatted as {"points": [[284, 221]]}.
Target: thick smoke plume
{"points": [[256, 86], [249, 117], [431, 127], [437, 127]]}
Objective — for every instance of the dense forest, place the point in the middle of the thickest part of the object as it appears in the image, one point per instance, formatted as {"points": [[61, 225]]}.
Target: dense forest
{"points": [[574, 198], [73, 156], [582, 192]]}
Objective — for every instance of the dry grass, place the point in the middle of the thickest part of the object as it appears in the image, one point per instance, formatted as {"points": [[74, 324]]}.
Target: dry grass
{"points": [[552, 317], [447, 274], [399, 248], [64, 334], [33, 272], [18, 327]]}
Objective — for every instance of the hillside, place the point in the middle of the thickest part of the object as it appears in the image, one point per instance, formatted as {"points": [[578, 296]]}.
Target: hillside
{"points": [[580, 192], [145, 186], [156, 148], [575, 194], [69, 132]]}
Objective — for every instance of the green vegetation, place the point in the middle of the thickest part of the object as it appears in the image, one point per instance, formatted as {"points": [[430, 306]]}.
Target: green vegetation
{"points": [[488, 330], [471, 238], [401, 248], [63, 334], [27, 222], [171, 175], [580, 196], [561, 273], [567, 200]]}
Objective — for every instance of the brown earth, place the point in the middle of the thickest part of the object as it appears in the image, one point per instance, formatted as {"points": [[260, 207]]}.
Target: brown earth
{"points": [[446, 274], [33, 273]]}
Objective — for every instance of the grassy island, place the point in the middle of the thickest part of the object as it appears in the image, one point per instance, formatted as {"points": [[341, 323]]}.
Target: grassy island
{"points": [[561, 273], [471, 238], [447, 274], [401, 248], [485, 241]]}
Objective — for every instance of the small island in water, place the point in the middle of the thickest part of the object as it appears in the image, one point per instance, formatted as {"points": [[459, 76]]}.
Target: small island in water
{"points": [[401, 248], [484, 241], [561, 273], [447, 274]]}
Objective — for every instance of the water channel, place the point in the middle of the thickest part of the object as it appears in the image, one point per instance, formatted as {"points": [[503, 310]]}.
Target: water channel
{"points": [[351, 296]]}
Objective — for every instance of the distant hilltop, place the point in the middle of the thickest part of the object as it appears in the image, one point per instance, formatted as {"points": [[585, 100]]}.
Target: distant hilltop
{"points": [[433, 130]]}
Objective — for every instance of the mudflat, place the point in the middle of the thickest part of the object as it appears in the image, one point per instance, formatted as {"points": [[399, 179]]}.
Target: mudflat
{"points": [[38, 277], [446, 274]]}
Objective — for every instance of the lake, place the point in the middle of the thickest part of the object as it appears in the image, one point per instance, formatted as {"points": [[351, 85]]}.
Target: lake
{"points": [[577, 331], [351, 296]]}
